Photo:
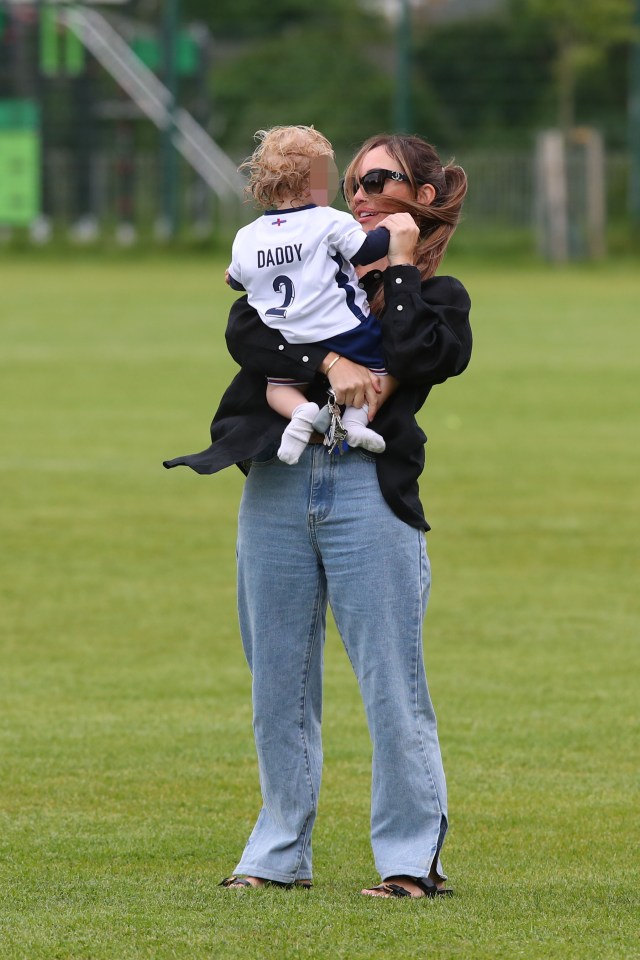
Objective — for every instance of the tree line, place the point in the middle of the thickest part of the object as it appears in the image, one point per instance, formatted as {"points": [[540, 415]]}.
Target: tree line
{"points": [[485, 81]]}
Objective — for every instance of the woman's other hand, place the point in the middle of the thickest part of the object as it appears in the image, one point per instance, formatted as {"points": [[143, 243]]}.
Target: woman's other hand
{"points": [[352, 384], [404, 234]]}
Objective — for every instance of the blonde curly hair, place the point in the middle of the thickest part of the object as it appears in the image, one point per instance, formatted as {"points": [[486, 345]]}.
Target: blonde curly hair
{"points": [[279, 168]]}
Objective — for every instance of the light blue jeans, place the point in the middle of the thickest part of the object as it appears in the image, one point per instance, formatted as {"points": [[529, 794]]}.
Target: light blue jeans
{"points": [[319, 532]]}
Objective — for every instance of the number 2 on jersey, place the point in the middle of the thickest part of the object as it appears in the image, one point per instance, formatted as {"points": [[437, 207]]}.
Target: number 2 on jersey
{"points": [[285, 286]]}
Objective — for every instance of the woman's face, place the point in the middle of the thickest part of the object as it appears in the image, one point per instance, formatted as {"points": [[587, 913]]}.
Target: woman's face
{"points": [[367, 209]]}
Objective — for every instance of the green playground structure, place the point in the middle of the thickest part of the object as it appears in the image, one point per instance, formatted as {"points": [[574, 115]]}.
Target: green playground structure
{"points": [[19, 162], [93, 133]]}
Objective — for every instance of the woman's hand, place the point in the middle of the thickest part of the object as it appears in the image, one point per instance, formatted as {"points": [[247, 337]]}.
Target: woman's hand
{"points": [[404, 234], [352, 384]]}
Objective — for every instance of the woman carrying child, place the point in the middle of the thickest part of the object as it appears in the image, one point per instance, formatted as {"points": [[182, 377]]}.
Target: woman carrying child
{"points": [[348, 531]]}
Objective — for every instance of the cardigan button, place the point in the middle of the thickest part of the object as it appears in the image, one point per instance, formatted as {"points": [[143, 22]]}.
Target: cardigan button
{"points": [[399, 307], [305, 359], [398, 279], [281, 347]]}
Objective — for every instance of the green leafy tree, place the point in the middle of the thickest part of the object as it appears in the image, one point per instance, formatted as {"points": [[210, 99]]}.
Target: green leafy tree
{"points": [[495, 80], [292, 61], [582, 34], [483, 81], [491, 80], [238, 19], [314, 72]]}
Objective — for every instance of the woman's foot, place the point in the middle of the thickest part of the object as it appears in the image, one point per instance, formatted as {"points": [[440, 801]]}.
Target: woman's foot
{"points": [[241, 883], [403, 886], [244, 883]]}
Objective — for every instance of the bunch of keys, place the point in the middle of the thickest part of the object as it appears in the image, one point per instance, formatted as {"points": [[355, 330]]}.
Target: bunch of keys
{"points": [[328, 422]]}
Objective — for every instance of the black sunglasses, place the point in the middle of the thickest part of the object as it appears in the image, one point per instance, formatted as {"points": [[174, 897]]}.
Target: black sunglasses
{"points": [[373, 182]]}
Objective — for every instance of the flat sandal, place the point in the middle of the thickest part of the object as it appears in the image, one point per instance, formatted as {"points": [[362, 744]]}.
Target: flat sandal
{"points": [[428, 887], [239, 882]]}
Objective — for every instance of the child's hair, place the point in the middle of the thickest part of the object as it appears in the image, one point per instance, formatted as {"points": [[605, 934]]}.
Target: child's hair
{"points": [[279, 167], [437, 220]]}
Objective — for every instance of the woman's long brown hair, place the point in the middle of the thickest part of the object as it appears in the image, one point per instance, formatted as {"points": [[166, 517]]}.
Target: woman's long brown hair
{"points": [[437, 220]]}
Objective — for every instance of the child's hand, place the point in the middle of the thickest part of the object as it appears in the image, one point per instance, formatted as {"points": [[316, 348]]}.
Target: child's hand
{"points": [[226, 276], [404, 234]]}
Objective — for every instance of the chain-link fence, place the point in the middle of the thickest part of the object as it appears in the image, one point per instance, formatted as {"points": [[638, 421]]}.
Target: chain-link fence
{"points": [[122, 191]]}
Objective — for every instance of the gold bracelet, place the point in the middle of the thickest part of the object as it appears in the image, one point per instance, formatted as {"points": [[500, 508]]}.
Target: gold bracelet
{"points": [[335, 360]]}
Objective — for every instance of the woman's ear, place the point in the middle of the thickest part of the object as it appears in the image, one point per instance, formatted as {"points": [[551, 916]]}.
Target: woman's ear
{"points": [[426, 193]]}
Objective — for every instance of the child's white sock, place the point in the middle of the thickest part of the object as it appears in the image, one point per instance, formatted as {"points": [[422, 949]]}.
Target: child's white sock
{"points": [[355, 420], [296, 436]]}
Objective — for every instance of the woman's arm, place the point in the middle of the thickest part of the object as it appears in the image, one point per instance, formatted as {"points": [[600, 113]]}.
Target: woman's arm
{"points": [[425, 326], [258, 348], [262, 350]]}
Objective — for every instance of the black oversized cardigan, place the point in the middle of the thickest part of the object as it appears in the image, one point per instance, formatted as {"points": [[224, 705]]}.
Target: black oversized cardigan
{"points": [[426, 339]]}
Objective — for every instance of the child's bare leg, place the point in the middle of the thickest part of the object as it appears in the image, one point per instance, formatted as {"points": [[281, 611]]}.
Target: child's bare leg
{"points": [[284, 398], [290, 402], [356, 420]]}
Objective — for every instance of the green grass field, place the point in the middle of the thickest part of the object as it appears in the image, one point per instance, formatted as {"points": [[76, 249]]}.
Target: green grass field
{"points": [[127, 773]]}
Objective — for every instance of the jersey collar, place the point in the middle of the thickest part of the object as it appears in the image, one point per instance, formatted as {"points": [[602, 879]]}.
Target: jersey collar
{"points": [[272, 213]]}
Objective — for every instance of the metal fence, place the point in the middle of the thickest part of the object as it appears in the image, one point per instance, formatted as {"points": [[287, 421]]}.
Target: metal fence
{"points": [[121, 195], [502, 187]]}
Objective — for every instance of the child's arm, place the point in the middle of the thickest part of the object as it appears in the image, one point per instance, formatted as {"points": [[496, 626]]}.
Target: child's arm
{"points": [[375, 247], [233, 283]]}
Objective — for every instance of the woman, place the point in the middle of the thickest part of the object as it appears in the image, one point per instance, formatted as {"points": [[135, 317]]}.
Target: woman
{"points": [[306, 531]]}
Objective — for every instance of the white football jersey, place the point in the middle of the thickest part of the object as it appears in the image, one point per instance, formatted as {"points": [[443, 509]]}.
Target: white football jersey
{"points": [[294, 265]]}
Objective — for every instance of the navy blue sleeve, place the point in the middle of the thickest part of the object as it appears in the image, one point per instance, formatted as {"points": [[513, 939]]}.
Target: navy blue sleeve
{"points": [[235, 284], [375, 247]]}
